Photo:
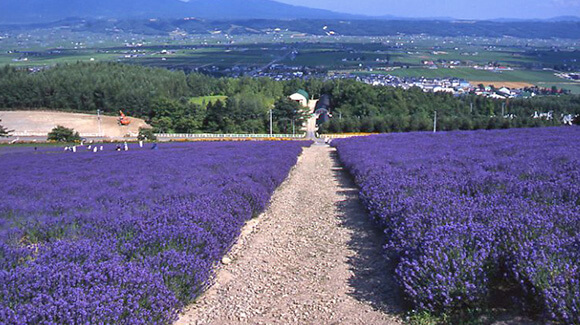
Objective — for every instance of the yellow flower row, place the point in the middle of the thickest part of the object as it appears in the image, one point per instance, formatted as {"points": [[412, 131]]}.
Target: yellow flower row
{"points": [[235, 139]]}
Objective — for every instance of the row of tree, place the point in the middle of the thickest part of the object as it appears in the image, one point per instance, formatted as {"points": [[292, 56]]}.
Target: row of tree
{"points": [[164, 99], [160, 96], [394, 123], [360, 107], [241, 113], [85, 87]]}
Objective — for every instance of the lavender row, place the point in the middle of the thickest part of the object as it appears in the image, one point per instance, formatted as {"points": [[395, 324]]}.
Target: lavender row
{"points": [[125, 237], [470, 216]]}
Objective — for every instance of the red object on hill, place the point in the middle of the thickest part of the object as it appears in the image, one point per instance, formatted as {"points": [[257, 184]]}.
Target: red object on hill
{"points": [[124, 120]]}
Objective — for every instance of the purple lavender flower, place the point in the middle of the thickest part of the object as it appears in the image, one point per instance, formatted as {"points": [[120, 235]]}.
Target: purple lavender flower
{"points": [[463, 211], [125, 237]]}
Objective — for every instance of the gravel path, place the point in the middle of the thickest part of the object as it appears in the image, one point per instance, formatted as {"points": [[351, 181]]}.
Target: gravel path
{"points": [[312, 258]]}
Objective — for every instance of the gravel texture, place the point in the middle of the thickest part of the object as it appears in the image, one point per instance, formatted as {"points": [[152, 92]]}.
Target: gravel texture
{"points": [[313, 257]]}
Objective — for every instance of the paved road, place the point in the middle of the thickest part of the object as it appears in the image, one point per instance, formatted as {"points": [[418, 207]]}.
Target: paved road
{"points": [[311, 122]]}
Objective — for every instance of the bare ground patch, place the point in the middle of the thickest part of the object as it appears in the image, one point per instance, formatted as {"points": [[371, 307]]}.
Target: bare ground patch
{"points": [[499, 84]]}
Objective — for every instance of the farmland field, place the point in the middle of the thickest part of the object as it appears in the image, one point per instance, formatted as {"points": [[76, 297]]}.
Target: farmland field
{"points": [[247, 53], [125, 237], [474, 219], [475, 75], [513, 78]]}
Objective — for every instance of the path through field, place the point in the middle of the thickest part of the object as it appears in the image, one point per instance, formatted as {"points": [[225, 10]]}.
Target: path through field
{"points": [[312, 258]]}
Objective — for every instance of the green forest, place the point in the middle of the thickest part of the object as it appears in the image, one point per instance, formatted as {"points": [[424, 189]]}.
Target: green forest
{"points": [[173, 101], [364, 108]]}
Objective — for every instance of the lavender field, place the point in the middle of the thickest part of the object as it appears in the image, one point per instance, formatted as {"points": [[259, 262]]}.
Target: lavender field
{"points": [[478, 219], [125, 237]]}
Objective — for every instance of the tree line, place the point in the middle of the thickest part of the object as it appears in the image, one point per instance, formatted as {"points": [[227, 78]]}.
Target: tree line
{"points": [[164, 98], [360, 107], [160, 96]]}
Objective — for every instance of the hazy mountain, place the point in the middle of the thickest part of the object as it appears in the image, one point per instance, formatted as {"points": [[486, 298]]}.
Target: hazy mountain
{"points": [[554, 19], [42, 11], [31, 11], [391, 17], [565, 18]]}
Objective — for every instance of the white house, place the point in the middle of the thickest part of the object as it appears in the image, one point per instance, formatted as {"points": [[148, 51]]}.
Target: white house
{"points": [[505, 91], [301, 97]]}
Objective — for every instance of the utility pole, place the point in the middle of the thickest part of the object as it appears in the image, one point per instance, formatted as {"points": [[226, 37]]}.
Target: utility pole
{"points": [[435, 123], [502, 110], [270, 122], [471, 107], [293, 128], [99, 122]]}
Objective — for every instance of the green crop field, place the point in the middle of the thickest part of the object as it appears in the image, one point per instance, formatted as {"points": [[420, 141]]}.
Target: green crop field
{"points": [[235, 55], [204, 100], [47, 60]]}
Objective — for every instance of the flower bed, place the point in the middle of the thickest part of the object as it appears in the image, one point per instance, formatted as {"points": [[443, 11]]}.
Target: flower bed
{"points": [[473, 215], [129, 236]]}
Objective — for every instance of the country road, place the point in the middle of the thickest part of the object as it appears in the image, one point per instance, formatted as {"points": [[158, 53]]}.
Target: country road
{"points": [[311, 122]]}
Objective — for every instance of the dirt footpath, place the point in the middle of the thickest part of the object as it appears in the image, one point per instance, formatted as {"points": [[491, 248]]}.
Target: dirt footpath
{"points": [[42, 122], [312, 258]]}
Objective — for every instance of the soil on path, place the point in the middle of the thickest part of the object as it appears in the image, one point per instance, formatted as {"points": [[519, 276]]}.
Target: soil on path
{"points": [[42, 122], [314, 257]]}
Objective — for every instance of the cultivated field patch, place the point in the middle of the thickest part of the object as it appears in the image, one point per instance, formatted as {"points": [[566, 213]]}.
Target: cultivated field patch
{"points": [[499, 84]]}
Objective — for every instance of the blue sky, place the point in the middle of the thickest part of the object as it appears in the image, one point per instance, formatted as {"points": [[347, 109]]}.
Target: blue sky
{"points": [[464, 9]]}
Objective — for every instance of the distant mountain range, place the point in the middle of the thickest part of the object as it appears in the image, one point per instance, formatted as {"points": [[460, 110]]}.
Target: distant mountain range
{"points": [[35, 11], [42, 11], [553, 20]]}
